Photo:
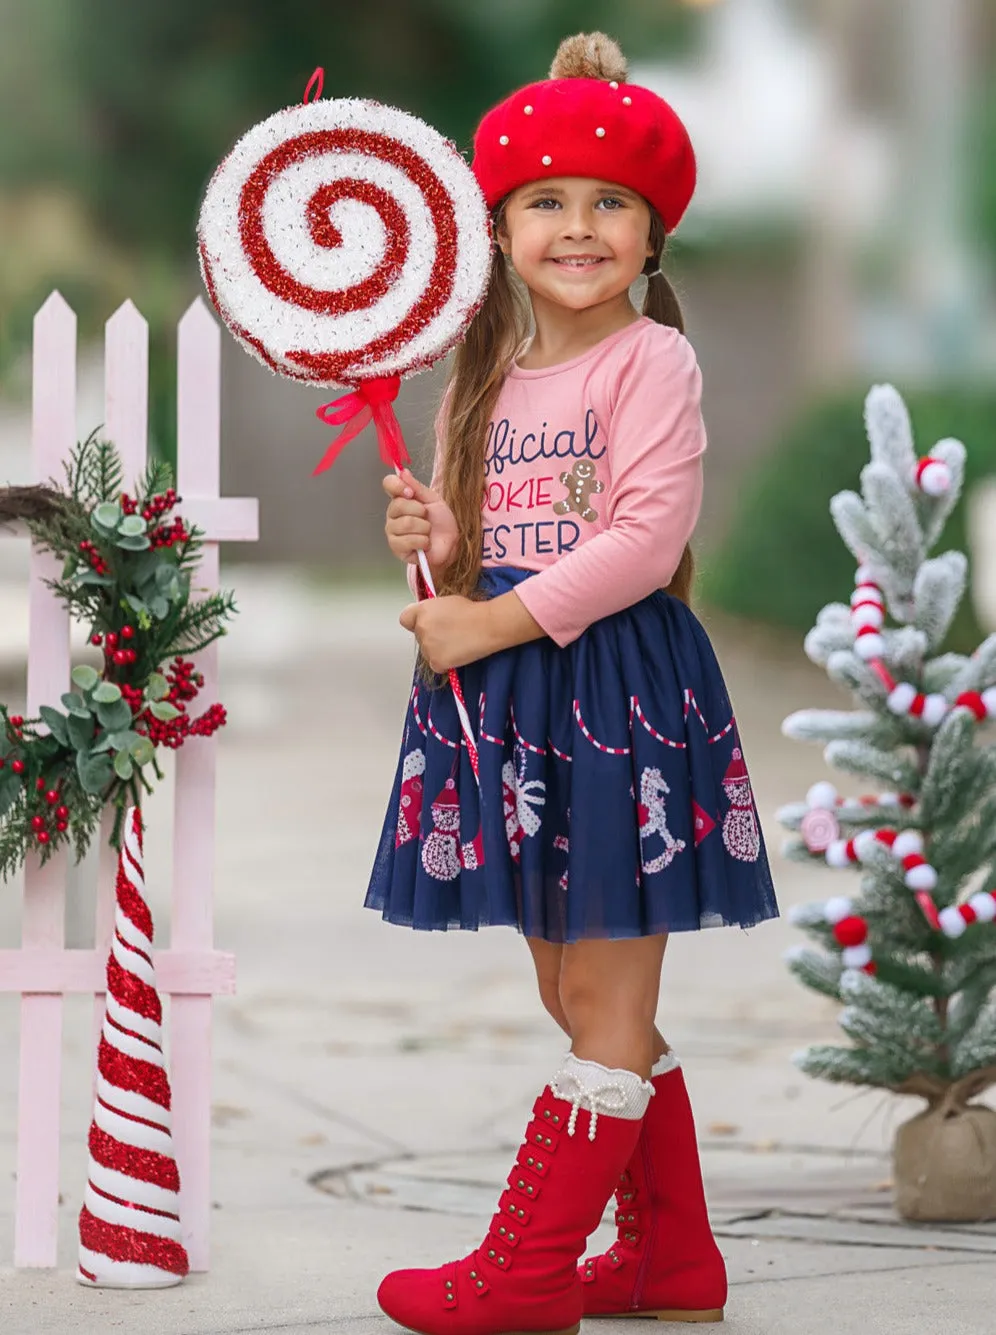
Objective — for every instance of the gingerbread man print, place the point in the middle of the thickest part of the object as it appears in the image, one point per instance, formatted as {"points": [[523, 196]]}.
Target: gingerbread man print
{"points": [[580, 484]]}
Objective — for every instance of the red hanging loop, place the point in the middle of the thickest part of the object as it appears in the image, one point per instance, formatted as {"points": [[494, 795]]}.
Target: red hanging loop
{"points": [[317, 78]]}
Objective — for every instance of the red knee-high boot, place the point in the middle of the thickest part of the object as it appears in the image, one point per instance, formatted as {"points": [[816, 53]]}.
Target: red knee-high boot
{"points": [[523, 1278], [665, 1261]]}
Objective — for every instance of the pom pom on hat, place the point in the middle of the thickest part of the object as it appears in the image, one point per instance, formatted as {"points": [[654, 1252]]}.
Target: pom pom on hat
{"points": [[585, 120], [589, 55]]}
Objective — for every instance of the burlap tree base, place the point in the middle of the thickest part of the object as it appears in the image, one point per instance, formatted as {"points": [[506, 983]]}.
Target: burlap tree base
{"points": [[945, 1157]]}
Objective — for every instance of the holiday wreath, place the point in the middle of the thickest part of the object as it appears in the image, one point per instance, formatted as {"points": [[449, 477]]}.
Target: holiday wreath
{"points": [[126, 574]]}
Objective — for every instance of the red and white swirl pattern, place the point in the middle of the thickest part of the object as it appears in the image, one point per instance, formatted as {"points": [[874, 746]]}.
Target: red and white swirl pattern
{"points": [[342, 240], [130, 1235]]}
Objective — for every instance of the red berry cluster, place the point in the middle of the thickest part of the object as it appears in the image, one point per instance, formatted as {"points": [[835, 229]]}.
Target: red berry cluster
{"points": [[154, 508], [116, 648], [184, 684], [93, 557], [15, 732], [56, 817], [166, 535]]}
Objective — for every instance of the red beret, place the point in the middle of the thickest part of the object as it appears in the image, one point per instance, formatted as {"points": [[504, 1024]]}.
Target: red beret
{"points": [[614, 131]]}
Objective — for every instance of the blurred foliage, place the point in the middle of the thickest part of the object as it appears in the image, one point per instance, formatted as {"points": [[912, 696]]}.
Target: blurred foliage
{"points": [[982, 183], [783, 558], [140, 102]]}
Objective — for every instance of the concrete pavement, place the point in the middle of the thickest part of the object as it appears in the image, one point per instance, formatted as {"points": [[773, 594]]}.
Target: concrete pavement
{"points": [[372, 1084]]}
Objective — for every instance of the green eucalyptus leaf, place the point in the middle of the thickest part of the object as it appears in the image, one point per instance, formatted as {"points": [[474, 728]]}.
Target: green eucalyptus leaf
{"points": [[163, 710], [159, 607], [145, 567], [131, 526], [75, 704], [81, 731], [129, 543], [157, 687], [105, 744], [116, 716], [56, 723], [135, 603], [123, 739], [165, 578], [85, 677], [142, 751], [89, 576], [106, 693], [95, 772], [106, 515], [47, 746], [123, 767]]}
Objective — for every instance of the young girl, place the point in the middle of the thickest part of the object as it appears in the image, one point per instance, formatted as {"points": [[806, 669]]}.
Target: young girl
{"points": [[613, 805]]}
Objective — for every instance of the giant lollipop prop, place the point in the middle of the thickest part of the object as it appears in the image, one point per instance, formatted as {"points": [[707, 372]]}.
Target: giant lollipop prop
{"points": [[344, 242]]}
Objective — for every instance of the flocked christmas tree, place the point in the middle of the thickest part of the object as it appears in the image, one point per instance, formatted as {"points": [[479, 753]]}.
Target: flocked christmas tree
{"points": [[910, 948]]}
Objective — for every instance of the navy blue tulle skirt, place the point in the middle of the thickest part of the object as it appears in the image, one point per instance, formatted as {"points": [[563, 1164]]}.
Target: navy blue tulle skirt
{"points": [[614, 800]]}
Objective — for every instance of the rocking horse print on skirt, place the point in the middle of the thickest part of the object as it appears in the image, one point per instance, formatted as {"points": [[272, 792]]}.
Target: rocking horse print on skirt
{"points": [[653, 822]]}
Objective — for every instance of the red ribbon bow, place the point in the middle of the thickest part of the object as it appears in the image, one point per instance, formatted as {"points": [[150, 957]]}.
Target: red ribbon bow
{"points": [[370, 401]]}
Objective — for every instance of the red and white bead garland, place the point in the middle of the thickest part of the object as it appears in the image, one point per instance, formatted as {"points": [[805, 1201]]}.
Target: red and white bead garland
{"points": [[867, 618], [342, 240], [819, 826], [932, 476], [850, 931]]}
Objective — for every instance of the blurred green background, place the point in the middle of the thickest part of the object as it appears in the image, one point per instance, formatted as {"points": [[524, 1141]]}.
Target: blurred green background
{"points": [[844, 230]]}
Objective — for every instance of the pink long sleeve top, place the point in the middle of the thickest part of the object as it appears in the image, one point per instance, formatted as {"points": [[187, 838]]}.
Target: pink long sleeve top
{"points": [[594, 475]]}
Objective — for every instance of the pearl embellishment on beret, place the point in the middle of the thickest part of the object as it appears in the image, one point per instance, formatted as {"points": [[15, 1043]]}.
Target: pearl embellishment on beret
{"points": [[613, 84], [547, 159], [528, 111], [627, 101], [600, 132], [503, 140]]}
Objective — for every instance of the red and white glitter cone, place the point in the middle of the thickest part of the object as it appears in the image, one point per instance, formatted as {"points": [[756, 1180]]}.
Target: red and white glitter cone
{"points": [[130, 1236]]}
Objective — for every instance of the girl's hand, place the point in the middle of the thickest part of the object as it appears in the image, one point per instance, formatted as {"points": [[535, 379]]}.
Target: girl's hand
{"points": [[451, 631], [418, 519]]}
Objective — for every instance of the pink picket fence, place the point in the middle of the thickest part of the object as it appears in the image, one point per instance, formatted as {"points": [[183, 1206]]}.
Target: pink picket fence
{"points": [[191, 972]]}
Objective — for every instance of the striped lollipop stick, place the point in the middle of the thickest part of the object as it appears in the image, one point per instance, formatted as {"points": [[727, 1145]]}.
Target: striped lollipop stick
{"points": [[455, 684], [130, 1235]]}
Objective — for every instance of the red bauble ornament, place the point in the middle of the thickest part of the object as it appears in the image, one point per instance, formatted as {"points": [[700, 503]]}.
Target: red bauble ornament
{"points": [[61, 813], [52, 796], [40, 785], [37, 823], [16, 720], [97, 639], [127, 632], [120, 657], [18, 766], [62, 826], [112, 639], [43, 836], [851, 931]]}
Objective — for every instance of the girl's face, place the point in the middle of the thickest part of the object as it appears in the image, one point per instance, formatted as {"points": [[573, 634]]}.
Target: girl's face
{"points": [[575, 241]]}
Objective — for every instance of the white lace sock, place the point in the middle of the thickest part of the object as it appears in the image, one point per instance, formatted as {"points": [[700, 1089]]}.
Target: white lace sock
{"points": [[605, 1092], [665, 1064]]}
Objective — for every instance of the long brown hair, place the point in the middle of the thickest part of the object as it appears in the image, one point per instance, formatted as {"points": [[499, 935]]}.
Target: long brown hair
{"points": [[481, 363]]}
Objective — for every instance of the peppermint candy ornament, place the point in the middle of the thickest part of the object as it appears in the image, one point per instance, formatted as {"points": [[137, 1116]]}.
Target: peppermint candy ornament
{"points": [[346, 242]]}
